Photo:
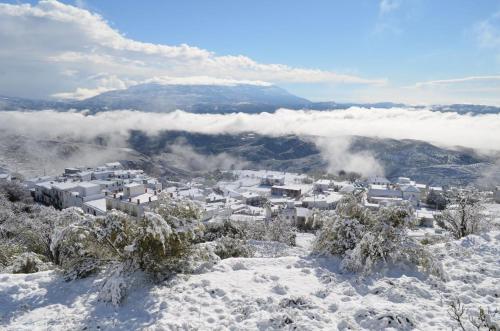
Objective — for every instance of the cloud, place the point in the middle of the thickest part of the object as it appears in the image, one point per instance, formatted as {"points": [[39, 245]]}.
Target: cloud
{"points": [[458, 80], [387, 6], [328, 129], [338, 156], [42, 43], [183, 156], [449, 129], [488, 31]]}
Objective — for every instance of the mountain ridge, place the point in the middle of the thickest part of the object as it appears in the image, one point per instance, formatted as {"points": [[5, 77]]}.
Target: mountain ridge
{"points": [[219, 99]]}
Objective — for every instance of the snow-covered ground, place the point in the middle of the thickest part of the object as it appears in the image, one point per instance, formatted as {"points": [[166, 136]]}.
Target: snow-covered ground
{"points": [[288, 291]]}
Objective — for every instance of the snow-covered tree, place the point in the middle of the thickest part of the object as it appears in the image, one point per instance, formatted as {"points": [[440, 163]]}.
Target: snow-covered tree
{"points": [[464, 215]]}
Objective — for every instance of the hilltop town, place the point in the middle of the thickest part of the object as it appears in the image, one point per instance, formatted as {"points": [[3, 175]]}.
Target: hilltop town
{"points": [[241, 195]]}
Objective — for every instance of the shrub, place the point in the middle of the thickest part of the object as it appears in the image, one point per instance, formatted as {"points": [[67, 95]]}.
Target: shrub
{"points": [[342, 231], [226, 228], [8, 252], [27, 263], [15, 192], [280, 230], [362, 238], [227, 247], [436, 200], [463, 216]]}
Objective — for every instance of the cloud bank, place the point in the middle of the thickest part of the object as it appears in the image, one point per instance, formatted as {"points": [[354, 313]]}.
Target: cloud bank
{"points": [[445, 129], [448, 129], [69, 52]]}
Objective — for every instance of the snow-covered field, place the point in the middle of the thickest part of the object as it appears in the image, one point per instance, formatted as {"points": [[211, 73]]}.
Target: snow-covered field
{"points": [[292, 291]]}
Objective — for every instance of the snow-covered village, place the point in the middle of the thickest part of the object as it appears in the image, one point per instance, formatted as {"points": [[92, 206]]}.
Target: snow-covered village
{"points": [[246, 249], [249, 165]]}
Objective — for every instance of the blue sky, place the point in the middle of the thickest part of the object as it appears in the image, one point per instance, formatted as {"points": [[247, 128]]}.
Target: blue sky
{"points": [[401, 42]]}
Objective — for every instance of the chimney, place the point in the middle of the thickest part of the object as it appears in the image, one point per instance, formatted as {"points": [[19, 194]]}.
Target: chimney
{"points": [[138, 201]]}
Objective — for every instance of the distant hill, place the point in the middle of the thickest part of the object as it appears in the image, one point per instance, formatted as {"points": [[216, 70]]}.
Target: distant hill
{"points": [[220, 99], [420, 160], [181, 154]]}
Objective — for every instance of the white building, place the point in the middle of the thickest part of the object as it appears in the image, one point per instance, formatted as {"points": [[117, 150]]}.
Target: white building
{"points": [[271, 180], [377, 180], [383, 191], [404, 181], [95, 207], [411, 194], [322, 185], [31, 182], [251, 198], [134, 200], [288, 191]]}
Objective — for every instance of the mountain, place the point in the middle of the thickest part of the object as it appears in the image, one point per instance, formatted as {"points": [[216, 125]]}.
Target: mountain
{"points": [[181, 154], [13, 103], [420, 160], [196, 98], [220, 99]]}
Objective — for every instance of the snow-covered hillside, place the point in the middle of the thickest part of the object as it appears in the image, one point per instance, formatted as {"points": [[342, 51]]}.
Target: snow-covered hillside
{"points": [[291, 291]]}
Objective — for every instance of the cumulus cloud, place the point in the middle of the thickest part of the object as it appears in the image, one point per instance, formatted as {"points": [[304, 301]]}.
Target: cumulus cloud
{"points": [[42, 43]]}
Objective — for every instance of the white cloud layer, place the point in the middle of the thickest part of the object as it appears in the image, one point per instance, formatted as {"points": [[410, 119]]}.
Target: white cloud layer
{"points": [[328, 129], [41, 44], [448, 129]]}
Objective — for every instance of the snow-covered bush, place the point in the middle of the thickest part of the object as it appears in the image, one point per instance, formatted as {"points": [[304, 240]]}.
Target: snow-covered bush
{"points": [[27, 226], [225, 228], [436, 200], [115, 285], [280, 230], [315, 222], [343, 231], [177, 209], [339, 235], [75, 246], [15, 192], [27, 263], [8, 252], [463, 216], [363, 238], [227, 247]]}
